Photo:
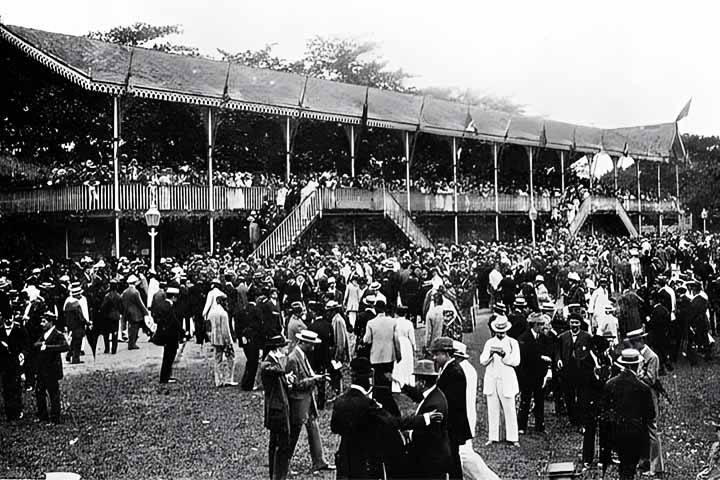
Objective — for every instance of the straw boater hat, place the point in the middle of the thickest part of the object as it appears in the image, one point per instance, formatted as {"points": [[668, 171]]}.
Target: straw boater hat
{"points": [[460, 349], [425, 368], [629, 356], [573, 276], [636, 334], [172, 291], [332, 305], [308, 336], [500, 324], [536, 317], [520, 302]]}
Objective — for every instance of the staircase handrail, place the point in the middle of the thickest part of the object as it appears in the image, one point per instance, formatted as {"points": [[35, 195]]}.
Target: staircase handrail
{"points": [[393, 209], [292, 226]]}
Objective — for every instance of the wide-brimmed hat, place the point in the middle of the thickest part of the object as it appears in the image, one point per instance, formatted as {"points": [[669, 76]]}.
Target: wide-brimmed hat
{"points": [[308, 336], [275, 342], [369, 300], [500, 324], [629, 356], [536, 317], [216, 281], [361, 366], [425, 368], [460, 349], [442, 344], [636, 334], [331, 305]]}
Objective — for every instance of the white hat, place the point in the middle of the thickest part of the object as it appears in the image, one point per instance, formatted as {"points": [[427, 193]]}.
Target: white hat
{"points": [[132, 280], [573, 276], [500, 324], [308, 336], [172, 291], [460, 349], [539, 278]]}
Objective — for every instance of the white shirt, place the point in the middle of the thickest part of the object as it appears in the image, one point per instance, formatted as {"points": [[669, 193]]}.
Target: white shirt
{"points": [[471, 380], [495, 278]]}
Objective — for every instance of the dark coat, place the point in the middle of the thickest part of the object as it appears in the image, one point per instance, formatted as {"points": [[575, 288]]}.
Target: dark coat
{"points": [[321, 356], [453, 384], [429, 452], [74, 319], [275, 387], [110, 310], [627, 404], [134, 309], [532, 369], [169, 329], [48, 361], [360, 422], [519, 323], [577, 362], [11, 346]]}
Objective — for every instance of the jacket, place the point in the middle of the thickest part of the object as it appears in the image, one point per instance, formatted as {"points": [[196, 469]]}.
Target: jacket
{"points": [[48, 362], [169, 330], [577, 362], [532, 369], [500, 375], [12, 345], [134, 309], [110, 311], [275, 387], [384, 343], [627, 404], [453, 384], [429, 451], [301, 393]]}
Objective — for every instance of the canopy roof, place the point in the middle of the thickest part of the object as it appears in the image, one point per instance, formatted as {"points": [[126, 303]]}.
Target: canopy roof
{"points": [[117, 69]]}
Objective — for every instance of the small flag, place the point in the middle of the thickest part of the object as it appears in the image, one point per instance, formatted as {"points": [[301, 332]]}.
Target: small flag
{"points": [[684, 112], [470, 123]]}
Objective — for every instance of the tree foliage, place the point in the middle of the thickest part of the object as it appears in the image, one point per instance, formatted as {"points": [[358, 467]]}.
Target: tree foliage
{"points": [[141, 34]]}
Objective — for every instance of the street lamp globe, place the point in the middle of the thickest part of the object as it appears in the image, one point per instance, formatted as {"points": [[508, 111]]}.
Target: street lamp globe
{"points": [[152, 217]]}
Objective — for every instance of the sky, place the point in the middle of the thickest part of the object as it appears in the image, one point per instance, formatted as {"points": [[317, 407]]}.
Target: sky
{"points": [[608, 64]]}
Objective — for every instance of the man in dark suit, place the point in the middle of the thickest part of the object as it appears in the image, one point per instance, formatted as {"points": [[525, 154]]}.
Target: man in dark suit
{"points": [[169, 332], [277, 407], [534, 363], [429, 451], [303, 406], [134, 311], [576, 367], [14, 345], [250, 336], [49, 368], [360, 421], [452, 382], [628, 408]]}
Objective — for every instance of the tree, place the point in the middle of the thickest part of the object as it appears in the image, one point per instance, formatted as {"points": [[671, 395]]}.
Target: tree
{"points": [[140, 34]]}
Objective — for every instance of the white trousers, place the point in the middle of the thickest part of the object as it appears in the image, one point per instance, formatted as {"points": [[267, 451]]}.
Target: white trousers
{"points": [[508, 408], [473, 466]]}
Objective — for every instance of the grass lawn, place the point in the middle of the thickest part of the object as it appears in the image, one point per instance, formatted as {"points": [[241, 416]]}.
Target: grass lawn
{"points": [[120, 423]]}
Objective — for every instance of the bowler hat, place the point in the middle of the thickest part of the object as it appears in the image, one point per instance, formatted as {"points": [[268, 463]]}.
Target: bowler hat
{"points": [[425, 368], [275, 342], [361, 366]]}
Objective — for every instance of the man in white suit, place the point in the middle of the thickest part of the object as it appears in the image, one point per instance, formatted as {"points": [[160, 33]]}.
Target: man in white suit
{"points": [[382, 337], [473, 466], [499, 356]]}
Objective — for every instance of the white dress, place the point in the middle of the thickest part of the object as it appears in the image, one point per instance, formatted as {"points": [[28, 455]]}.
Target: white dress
{"points": [[403, 369]]}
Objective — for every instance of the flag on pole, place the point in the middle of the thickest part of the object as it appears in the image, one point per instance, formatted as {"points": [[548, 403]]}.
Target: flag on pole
{"points": [[684, 112], [470, 123]]}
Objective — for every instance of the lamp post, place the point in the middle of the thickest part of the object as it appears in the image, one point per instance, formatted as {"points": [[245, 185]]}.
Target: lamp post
{"points": [[152, 218]]}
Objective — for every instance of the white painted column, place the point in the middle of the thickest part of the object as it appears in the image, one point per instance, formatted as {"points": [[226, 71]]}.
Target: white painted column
{"points": [[497, 198], [562, 172], [455, 198], [211, 199], [407, 169], [532, 194], [116, 173], [287, 149], [352, 149]]}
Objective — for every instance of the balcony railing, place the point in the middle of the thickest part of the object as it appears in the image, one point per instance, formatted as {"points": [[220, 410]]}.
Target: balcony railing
{"points": [[137, 197]]}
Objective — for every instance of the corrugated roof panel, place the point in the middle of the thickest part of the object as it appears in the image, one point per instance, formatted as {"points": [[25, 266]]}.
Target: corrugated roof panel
{"points": [[398, 109], [333, 100]]}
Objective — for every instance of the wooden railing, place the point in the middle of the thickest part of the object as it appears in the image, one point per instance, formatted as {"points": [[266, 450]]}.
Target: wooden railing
{"points": [[292, 226], [394, 210], [135, 197]]}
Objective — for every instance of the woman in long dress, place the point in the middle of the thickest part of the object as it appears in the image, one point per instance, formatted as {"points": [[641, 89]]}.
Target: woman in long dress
{"points": [[402, 372]]}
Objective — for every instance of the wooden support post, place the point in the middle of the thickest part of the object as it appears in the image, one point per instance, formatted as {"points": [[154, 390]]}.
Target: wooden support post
{"points": [[615, 162], [455, 192], [116, 172], [639, 201], [287, 149], [407, 168], [352, 149], [211, 196], [562, 172], [497, 198], [660, 215], [67, 243], [677, 193], [533, 211]]}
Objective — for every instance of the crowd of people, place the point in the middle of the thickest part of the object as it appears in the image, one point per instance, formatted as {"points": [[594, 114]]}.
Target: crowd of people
{"points": [[592, 325]]}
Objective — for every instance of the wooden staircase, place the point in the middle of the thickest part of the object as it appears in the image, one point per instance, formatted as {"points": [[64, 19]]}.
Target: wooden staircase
{"points": [[400, 217], [593, 205]]}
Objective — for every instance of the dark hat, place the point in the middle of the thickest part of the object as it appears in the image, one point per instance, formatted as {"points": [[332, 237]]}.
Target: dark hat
{"points": [[296, 305], [275, 342], [401, 310], [636, 334], [499, 307], [442, 344], [425, 368], [575, 317], [361, 366], [49, 314]]}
